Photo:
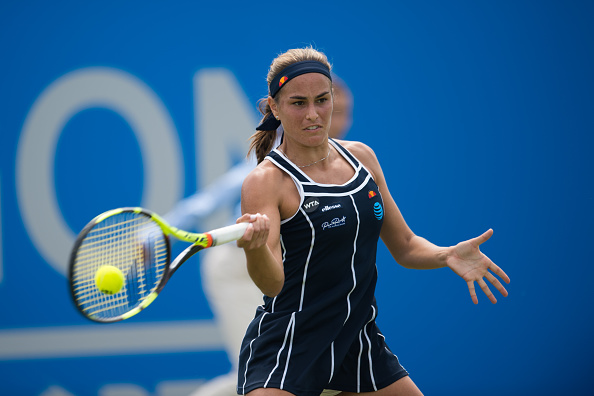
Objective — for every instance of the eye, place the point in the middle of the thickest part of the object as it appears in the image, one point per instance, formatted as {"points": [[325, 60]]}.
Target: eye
{"points": [[298, 103]]}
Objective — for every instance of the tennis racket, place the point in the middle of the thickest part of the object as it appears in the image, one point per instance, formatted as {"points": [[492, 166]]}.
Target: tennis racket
{"points": [[135, 241]]}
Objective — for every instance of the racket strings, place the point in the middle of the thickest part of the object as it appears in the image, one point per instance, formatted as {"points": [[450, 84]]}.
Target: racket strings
{"points": [[131, 242], [109, 233]]}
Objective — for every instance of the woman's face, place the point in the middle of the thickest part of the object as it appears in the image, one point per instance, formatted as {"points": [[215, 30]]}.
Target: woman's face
{"points": [[304, 106]]}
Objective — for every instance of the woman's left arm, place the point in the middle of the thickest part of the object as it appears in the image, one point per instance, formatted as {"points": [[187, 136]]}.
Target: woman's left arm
{"points": [[413, 251]]}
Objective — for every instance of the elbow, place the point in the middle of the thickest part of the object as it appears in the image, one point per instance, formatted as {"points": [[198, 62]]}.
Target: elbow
{"points": [[270, 283], [271, 294], [267, 275], [406, 264], [273, 289]]}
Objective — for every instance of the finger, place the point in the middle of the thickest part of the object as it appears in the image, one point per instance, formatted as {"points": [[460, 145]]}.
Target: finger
{"points": [[499, 272], [495, 282], [265, 228], [256, 221], [261, 226], [487, 291], [479, 240], [472, 292], [247, 236], [244, 218], [255, 227]]}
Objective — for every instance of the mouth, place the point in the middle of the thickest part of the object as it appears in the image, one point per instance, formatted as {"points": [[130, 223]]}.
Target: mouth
{"points": [[313, 127]]}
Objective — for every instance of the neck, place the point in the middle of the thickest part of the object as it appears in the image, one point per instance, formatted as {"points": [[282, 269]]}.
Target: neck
{"points": [[305, 163]]}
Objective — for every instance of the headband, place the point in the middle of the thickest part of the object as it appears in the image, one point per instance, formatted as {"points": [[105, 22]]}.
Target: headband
{"points": [[288, 73]]}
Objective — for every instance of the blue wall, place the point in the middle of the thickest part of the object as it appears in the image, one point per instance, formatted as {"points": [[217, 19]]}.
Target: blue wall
{"points": [[481, 113]]}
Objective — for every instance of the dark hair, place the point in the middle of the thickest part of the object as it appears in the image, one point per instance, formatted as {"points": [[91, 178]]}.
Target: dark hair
{"points": [[262, 141]]}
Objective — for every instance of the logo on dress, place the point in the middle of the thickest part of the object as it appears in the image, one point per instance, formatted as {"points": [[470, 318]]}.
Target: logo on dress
{"points": [[378, 211], [336, 222], [371, 194], [330, 207], [311, 204]]}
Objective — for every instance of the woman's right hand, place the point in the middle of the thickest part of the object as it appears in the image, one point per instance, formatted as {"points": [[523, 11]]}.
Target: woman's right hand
{"points": [[256, 235]]}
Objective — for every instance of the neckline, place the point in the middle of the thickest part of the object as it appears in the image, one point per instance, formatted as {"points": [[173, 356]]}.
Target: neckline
{"points": [[339, 149], [311, 163]]}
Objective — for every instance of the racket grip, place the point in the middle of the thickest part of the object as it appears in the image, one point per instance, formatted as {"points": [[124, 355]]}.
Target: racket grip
{"points": [[227, 234]]}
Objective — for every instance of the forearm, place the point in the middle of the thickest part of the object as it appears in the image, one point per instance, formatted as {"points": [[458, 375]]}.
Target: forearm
{"points": [[265, 270], [422, 254]]}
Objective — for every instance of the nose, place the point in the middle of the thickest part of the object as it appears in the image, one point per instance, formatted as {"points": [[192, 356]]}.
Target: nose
{"points": [[312, 114]]}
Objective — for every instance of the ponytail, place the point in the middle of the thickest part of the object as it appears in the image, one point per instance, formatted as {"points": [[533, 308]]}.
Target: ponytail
{"points": [[262, 141]]}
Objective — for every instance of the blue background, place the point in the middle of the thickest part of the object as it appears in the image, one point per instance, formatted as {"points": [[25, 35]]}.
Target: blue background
{"points": [[481, 114]]}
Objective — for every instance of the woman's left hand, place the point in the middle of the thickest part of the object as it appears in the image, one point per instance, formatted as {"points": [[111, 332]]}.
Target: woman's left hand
{"points": [[466, 260]]}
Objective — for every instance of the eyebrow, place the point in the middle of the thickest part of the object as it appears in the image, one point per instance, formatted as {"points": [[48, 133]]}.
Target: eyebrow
{"points": [[303, 97]]}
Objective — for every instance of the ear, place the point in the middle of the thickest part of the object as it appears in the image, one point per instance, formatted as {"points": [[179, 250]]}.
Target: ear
{"points": [[273, 106]]}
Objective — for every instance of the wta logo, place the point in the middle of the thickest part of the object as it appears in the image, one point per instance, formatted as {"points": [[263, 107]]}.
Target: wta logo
{"points": [[311, 205], [378, 211]]}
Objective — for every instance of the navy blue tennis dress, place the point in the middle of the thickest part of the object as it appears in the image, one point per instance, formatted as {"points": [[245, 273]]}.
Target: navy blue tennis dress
{"points": [[319, 332]]}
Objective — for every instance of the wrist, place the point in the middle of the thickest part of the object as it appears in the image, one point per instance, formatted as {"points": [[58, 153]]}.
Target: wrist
{"points": [[444, 254]]}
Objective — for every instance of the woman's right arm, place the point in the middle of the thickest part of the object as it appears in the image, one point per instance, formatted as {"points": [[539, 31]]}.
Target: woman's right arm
{"points": [[260, 202]]}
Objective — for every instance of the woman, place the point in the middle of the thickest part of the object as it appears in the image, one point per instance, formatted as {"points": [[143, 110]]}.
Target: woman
{"points": [[317, 208]]}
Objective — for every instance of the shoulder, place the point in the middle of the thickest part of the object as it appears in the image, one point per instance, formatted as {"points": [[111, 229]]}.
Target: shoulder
{"points": [[258, 193], [263, 175], [267, 189], [364, 154], [356, 148], [265, 180]]}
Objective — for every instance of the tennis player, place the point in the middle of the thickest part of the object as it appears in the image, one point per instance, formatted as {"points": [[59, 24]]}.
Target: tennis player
{"points": [[231, 294], [317, 209]]}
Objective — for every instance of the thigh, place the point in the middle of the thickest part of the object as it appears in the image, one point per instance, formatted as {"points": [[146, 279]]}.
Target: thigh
{"points": [[403, 387]]}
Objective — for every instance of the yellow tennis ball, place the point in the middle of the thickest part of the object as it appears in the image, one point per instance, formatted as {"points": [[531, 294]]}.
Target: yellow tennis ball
{"points": [[109, 279]]}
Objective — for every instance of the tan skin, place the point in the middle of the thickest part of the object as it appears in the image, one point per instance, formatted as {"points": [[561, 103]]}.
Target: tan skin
{"points": [[305, 106]]}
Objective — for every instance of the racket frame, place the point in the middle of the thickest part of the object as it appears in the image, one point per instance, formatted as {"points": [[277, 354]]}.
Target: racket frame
{"points": [[198, 242]]}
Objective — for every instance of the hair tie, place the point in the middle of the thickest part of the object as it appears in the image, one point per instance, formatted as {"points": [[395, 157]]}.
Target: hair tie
{"points": [[270, 123]]}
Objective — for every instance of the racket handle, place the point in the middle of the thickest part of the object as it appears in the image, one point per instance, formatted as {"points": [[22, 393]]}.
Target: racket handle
{"points": [[228, 234]]}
